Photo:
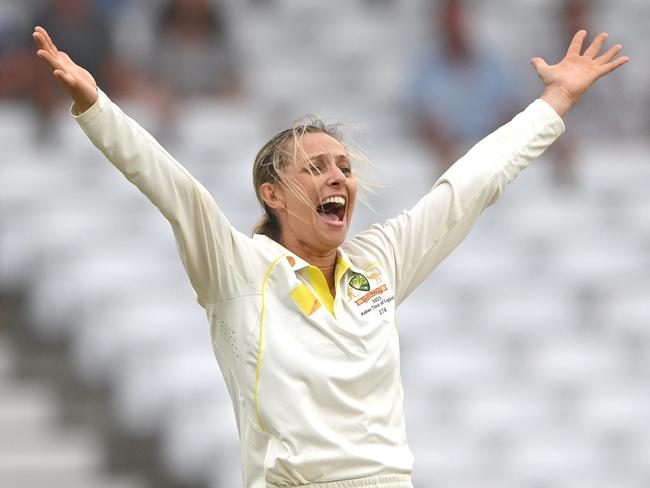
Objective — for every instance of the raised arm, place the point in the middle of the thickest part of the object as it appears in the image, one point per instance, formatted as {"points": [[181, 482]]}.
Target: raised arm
{"points": [[216, 256], [418, 239]]}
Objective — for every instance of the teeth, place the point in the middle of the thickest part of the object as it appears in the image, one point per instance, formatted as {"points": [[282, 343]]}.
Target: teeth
{"points": [[337, 200]]}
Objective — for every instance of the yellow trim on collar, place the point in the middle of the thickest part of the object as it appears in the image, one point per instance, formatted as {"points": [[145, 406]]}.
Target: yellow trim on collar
{"points": [[319, 283], [341, 267]]}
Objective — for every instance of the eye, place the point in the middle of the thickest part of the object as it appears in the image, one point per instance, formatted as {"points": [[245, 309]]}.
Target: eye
{"points": [[313, 170], [346, 170]]}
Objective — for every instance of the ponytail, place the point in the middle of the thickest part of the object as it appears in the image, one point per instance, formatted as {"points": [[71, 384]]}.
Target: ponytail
{"points": [[268, 225]]}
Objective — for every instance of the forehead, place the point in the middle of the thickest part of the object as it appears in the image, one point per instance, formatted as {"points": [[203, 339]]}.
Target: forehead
{"points": [[314, 144]]}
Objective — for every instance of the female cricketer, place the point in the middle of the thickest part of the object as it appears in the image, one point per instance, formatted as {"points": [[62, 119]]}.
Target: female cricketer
{"points": [[303, 320]]}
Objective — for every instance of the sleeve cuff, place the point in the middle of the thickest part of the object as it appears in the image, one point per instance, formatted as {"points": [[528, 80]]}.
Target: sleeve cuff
{"points": [[92, 112], [550, 114]]}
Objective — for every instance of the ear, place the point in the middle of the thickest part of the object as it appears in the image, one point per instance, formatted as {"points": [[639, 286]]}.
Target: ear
{"points": [[270, 196]]}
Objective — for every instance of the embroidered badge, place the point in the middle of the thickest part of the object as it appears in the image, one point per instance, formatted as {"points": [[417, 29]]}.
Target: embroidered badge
{"points": [[359, 282]]}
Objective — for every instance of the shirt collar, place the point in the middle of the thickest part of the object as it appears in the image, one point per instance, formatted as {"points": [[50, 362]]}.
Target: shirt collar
{"points": [[298, 263]]}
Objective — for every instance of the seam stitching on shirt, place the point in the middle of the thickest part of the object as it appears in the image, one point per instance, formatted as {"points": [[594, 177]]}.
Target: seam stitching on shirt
{"points": [[232, 299], [259, 347]]}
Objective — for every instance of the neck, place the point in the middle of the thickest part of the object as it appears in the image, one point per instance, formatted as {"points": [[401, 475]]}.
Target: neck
{"points": [[323, 260]]}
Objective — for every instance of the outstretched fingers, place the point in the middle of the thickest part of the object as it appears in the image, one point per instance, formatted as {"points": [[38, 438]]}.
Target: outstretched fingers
{"points": [[48, 40], [40, 41], [611, 66], [53, 61], [78, 82], [596, 45], [576, 43], [58, 61], [607, 56]]}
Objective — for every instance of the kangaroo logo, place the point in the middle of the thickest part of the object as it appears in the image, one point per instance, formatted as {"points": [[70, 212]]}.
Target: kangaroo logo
{"points": [[375, 276]]}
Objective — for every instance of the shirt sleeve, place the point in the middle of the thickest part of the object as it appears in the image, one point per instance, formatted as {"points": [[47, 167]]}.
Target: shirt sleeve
{"points": [[211, 250], [417, 240]]}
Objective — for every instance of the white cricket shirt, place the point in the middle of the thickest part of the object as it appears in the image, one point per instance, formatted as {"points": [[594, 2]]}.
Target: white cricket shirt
{"points": [[315, 382]]}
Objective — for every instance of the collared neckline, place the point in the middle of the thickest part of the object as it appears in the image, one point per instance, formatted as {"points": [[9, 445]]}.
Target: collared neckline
{"points": [[298, 263]]}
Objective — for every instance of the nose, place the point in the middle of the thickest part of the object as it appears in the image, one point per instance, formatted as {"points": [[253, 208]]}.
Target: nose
{"points": [[335, 177]]}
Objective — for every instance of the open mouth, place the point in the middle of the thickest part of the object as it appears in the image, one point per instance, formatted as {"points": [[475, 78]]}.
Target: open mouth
{"points": [[332, 209]]}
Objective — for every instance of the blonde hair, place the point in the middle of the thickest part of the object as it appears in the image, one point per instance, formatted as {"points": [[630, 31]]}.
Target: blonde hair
{"points": [[277, 153]]}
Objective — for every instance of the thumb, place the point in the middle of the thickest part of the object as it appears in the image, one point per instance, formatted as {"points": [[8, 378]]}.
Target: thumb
{"points": [[538, 63]]}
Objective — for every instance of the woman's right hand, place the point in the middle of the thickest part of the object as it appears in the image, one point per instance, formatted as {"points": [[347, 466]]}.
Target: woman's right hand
{"points": [[78, 82]]}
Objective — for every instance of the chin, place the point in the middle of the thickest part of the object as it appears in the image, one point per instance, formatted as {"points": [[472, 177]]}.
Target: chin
{"points": [[333, 239]]}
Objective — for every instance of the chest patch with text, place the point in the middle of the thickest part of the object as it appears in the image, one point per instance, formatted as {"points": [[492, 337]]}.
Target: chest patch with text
{"points": [[366, 298]]}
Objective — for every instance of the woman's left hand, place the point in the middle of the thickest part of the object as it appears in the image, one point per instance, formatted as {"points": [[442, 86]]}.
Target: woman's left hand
{"points": [[575, 73]]}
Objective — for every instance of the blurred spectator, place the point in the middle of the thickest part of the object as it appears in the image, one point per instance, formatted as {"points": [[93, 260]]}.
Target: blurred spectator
{"points": [[188, 53], [12, 17], [573, 16], [112, 8], [13, 70], [569, 16], [81, 31], [193, 55], [183, 50], [459, 93]]}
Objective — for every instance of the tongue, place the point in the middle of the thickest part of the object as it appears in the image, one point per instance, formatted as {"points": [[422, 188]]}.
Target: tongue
{"points": [[332, 217]]}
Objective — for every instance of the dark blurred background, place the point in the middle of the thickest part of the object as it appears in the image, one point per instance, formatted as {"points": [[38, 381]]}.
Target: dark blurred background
{"points": [[526, 355]]}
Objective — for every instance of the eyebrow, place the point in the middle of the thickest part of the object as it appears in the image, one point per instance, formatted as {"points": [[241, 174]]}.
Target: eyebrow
{"points": [[322, 158]]}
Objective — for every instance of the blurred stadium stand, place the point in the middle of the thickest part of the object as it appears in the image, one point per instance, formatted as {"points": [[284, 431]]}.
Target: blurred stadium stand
{"points": [[525, 356]]}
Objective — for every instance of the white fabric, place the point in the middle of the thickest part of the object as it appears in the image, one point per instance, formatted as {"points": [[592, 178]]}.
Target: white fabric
{"points": [[317, 396]]}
